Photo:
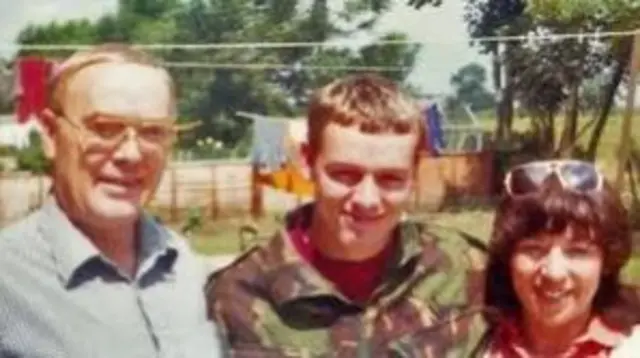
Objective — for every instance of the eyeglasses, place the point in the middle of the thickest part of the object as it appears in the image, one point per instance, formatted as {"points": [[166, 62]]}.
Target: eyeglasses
{"points": [[573, 175], [111, 130]]}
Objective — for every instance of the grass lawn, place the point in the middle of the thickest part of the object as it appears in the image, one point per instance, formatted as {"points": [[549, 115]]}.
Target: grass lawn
{"points": [[221, 237]]}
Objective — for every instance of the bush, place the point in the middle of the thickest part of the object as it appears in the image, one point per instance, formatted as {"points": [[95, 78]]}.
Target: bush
{"points": [[6, 151], [32, 158]]}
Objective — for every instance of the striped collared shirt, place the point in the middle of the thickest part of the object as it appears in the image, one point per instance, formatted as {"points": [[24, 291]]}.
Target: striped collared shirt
{"points": [[59, 297]]}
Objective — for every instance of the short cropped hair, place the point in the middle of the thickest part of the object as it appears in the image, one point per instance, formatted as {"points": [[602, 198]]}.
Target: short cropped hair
{"points": [[373, 103], [599, 217], [104, 53]]}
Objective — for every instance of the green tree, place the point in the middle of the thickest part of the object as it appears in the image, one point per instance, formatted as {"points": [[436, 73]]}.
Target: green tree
{"points": [[214, 95], [605, 15], [498, 18], [561, 71], [487, 18], [32, 158], [469, 85]]}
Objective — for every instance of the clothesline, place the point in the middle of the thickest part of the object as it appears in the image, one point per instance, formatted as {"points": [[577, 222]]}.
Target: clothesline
{"points": [[337, 43], [281, 66]]}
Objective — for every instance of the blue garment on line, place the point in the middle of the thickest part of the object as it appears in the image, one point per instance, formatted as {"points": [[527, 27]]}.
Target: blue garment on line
{"points": [[435, 133], [269, 149]]}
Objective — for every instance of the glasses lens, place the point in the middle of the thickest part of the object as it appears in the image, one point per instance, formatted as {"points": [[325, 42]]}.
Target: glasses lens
{"points": [[105, 127], [528, 178], [580, 176], [156, 134]]}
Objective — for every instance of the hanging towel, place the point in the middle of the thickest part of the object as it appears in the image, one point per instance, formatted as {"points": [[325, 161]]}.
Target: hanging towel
{"points": [[33, 75], [435, 134], [269, 137], [289, 179], [286, 173]]}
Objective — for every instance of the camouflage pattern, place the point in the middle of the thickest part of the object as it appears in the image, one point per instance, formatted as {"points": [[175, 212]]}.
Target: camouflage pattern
{"points": [[271, 303]]}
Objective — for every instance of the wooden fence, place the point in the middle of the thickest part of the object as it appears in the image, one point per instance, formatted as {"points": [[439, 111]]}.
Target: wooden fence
{"points": [[223, 188]]}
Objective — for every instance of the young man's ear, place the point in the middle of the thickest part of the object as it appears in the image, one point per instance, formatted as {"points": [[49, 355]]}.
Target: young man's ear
{"points": [[308, 156], [48, 124]]}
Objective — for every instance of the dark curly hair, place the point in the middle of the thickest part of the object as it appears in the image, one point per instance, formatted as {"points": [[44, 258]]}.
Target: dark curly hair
{"points": [[601, 214]]}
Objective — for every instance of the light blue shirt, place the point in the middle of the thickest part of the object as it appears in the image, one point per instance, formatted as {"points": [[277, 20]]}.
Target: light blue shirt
{"points": [[59, 297]]}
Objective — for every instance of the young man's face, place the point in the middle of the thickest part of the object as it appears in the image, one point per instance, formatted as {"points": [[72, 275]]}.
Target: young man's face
{"points": [[107, 146], [363, 182]]}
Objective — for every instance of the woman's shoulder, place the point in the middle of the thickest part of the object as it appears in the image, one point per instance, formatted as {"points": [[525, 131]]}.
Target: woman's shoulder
{"points": [[629, 346]]}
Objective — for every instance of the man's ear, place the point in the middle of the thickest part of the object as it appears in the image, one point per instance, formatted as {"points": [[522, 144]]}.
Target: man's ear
{"points": [[47, 134], [308, 156]]}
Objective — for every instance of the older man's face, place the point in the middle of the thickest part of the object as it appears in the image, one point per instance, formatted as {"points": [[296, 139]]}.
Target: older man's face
{"points": [[111, 145]]}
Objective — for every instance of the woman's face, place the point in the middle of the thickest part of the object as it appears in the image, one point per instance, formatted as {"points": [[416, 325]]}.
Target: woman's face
{"points": [[556, 276]]}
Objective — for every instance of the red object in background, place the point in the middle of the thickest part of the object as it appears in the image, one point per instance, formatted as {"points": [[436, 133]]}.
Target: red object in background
{"points": [[33, 75]]}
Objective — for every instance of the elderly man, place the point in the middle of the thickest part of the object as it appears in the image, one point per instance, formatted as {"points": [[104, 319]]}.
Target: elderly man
{"points": [[347, 277], [90, 274]]}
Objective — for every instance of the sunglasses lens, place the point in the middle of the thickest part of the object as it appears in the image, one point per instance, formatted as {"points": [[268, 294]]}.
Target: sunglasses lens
{"points": [[527, 179], [580, 176]]}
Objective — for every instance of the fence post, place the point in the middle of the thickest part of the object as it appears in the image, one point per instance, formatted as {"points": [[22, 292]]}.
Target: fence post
{"points": [[256, 192]]}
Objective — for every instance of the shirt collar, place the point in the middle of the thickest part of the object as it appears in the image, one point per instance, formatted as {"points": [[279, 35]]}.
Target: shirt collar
{"points": [[72, 250], [510, 336], [602, 333]]}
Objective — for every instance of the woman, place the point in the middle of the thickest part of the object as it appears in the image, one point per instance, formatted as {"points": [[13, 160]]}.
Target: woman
{"points": [[560, 238]]}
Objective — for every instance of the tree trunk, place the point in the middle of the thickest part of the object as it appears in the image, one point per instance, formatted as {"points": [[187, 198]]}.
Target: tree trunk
{"points": [[549, 136], [568, 138], [622, 62], [504, 97], [497, 87]]}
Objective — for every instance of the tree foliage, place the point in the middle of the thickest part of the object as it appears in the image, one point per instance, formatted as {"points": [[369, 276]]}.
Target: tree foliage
{"points": [[592, 15], [469, 86], [32, 158], [214, 95], [546, 77]]}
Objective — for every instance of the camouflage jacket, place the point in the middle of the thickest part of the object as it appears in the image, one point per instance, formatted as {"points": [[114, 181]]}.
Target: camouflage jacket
{"points": [[271, 303]]}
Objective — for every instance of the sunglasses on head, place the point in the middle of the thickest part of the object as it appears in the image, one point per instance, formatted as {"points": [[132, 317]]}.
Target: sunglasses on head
{"points": [[574, 175]]}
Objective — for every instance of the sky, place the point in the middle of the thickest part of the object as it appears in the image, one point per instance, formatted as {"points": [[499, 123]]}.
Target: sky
{"points": [[441, 30]]}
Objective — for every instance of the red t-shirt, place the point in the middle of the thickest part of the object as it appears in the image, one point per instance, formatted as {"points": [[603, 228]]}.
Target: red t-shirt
{"points": [[355, 279]]}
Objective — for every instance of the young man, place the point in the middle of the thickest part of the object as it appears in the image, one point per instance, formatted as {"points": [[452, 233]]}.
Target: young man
{"points": [[90, 274], [347, 277]]}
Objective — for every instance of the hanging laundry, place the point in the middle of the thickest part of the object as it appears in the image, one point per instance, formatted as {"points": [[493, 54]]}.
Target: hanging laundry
{"points": [[289, 179], [299, 182], [268, 149], [435, 134], [276, 148], [296, 138], [32, 77]]}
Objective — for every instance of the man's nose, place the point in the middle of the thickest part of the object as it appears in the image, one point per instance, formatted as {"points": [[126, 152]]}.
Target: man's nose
{"points": [[129, 149], [367, 193]]}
